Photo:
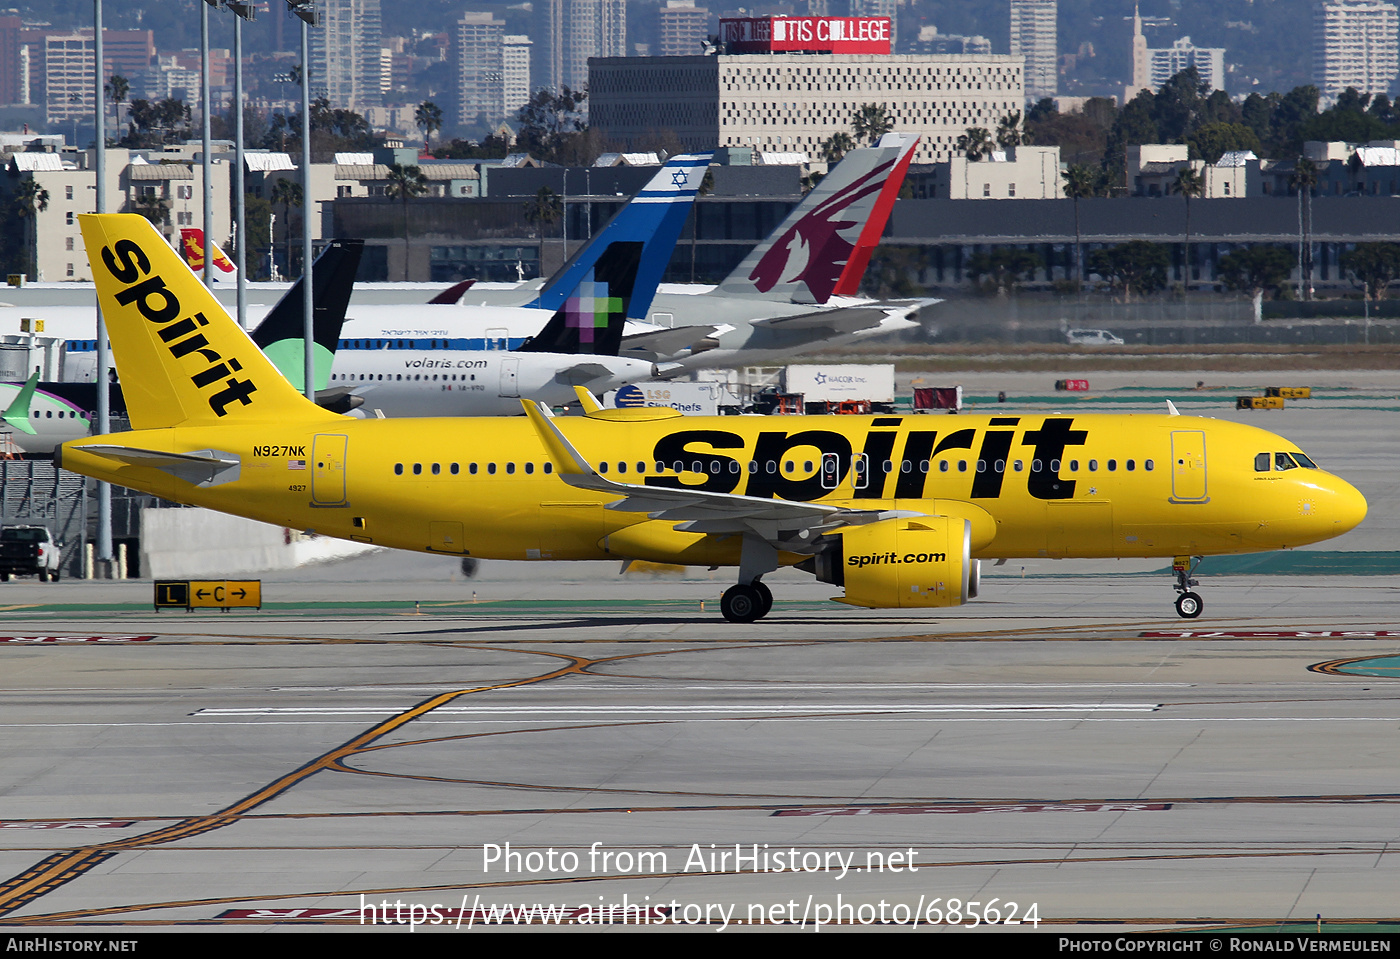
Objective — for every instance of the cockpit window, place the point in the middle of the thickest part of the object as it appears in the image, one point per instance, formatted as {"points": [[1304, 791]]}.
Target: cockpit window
{"points": [[1304, 461], [1282, 461], [1261, 463]]}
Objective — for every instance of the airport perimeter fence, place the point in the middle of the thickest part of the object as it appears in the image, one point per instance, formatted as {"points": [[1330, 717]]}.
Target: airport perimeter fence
{"points": [[1194, 321]]}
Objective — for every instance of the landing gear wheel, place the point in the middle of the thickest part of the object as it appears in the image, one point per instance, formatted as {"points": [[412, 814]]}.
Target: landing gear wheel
{"points": [[766, 595], [1189, 605], [741, 604]]}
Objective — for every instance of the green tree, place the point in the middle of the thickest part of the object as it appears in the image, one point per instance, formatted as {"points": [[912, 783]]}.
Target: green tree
{"points": [[30, 199], [428, 117], [1304, 179], [1011, 132], [1188, 183], [550, 124], [405, 183], [871, 122], [1081, 181], [1136, 267], [1373, 266], [287, 192], [999, 271], [976, 144], [116, 89], [1255, 270], [1214, 140], [837, 146]]}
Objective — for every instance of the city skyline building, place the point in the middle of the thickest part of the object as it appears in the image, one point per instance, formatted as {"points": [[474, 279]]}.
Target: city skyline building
{"points": [[1034, 37], [682, 27], [1355, 44], [1208, 61], [346, 61]]}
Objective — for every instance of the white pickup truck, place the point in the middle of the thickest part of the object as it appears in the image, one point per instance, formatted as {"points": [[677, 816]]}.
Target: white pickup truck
{"points": [[28, 551]]}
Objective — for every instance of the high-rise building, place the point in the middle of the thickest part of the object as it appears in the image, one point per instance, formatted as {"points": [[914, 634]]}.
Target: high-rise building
{"points": [[590, 28], [1355, 45], [1208, 61], [476, 56], [1033, 36], [681, 28], [346, 63], [1141, 61], [492, 69]]}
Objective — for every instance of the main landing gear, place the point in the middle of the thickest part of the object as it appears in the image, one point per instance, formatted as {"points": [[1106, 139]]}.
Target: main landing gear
{"points": [[1188, 604], [748, 599], [745, 603]]}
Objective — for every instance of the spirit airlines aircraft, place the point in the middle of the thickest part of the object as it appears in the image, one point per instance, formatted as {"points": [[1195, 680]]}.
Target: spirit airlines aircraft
{"points": [[896, 510]]}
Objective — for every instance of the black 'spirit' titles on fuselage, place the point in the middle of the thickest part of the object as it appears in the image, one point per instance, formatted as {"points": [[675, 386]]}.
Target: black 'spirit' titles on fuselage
{"points": [[693, 452], [127, 262]]}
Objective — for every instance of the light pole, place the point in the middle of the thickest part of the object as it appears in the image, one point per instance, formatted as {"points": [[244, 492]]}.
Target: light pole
{"points": [[206, 166], [104, 359], [306, 12], [243, 10]]}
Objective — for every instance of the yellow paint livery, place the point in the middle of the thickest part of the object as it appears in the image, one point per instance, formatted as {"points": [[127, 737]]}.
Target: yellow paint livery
{"points": [[895, 509]]}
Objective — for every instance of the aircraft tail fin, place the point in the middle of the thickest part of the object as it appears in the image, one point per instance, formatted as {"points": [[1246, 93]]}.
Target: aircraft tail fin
{"points": [[17, 413], [182, 359], [654, 217], [192, 249], [822, 248], [591, 320], [281, 333], [453, 294]]}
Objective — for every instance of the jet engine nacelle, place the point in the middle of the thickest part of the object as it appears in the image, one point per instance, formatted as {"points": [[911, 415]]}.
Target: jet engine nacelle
{"points": [[908, 562]]}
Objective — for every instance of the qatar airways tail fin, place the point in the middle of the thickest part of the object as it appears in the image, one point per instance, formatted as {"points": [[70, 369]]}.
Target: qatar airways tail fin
{"points": [[822, 249]]}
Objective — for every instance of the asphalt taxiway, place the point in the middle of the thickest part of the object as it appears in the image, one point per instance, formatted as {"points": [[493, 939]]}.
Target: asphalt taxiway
{"points": [[391, 741]]}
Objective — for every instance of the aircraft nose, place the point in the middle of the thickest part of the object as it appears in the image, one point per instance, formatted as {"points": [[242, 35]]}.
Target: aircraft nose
{"points": [[1349, 506]]}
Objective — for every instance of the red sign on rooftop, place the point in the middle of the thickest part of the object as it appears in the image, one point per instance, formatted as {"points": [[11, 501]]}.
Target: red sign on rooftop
{"points": [[806, 34]]}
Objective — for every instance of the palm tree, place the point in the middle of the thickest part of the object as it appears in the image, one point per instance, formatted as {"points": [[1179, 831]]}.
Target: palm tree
{"points": [[1188, 183], [1304, 178], [31, 199], [871, 122], [976, 143], [117, 88], [153, 207], [1010, 131], [1080, 181], [837, 146], [288, 193], [428, 116], [405, 182]]}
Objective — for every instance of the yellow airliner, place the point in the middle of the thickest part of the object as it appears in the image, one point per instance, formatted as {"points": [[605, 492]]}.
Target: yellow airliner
{"points": [[896, 509]]}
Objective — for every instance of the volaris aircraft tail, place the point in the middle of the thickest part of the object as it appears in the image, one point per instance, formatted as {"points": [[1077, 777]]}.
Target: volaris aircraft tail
{"points": [[592, 318], [654, 218], [822, 249], [281, 333], [182, 360]]}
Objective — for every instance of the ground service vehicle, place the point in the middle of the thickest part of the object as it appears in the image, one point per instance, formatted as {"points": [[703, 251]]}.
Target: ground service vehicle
{"points": [[896, 510], [28, 551]]}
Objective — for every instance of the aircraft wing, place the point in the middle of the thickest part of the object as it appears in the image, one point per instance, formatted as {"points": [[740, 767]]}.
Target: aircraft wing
{"points": [[659, 344], [789, 524], [846, 319]]}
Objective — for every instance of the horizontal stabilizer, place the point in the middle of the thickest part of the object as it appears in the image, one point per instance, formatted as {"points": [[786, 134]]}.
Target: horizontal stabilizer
{"points": [[202, 467]]}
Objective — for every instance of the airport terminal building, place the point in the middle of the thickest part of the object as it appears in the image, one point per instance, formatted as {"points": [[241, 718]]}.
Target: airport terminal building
{"points": [[784, 85]]}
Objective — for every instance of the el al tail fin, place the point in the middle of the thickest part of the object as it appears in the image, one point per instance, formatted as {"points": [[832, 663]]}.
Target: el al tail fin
{"points": [[654, 217], [281, 333], [822, 248], [182, 360], [591, 320]]}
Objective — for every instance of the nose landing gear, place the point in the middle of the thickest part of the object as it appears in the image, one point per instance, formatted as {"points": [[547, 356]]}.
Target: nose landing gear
{"points": [[1188, 604]]}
